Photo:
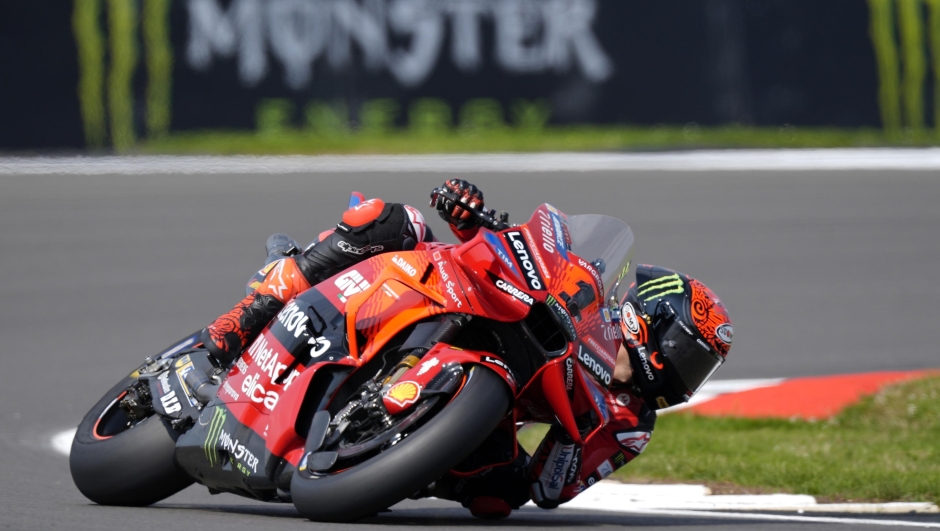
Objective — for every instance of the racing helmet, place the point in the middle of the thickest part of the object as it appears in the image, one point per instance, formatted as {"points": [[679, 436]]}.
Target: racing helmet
{"points": [[677, 333]]}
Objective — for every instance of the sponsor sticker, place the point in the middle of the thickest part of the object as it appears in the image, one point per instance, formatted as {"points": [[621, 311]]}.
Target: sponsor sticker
{"points": [[553, 474], [351, 283], [645, 363], [563, 315], [725, 333], [499, 249], [507, 287], [524, 256], [428, 365], [246, 462], [569, 375], [623, 399], [661, 402], [594, 364], [499, 363], [405, 266], [403, 393], [628, 316], [633, 441], [606, 469]]}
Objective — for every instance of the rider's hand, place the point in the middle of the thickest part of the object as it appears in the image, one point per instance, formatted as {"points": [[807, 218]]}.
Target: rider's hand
{"points": [[457, 213]]}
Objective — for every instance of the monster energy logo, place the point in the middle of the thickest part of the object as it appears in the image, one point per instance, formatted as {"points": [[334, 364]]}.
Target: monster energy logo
{"points": [[660, 287], [122, 20], [899, 25], [215, 430]]}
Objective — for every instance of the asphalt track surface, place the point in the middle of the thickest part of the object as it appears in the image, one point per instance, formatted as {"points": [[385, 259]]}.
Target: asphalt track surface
{"points": [[823, 272]]}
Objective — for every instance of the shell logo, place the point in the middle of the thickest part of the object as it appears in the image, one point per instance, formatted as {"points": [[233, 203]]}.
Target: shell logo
{"points": [[403, 393]]}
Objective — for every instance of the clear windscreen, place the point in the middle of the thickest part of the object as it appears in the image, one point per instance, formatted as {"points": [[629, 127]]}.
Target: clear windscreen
{"points": [[595, 236]]}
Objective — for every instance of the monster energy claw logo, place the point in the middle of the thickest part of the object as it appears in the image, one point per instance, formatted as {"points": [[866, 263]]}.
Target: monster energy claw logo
{"points": [[660, 287], [215, 429]]}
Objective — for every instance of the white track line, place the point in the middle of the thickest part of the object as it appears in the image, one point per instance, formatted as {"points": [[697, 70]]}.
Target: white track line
{"points": [[723, 160], [786, 518]]}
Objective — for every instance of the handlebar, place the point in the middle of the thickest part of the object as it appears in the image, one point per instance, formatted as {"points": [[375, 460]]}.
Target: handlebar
{"points": [[488, 218]]}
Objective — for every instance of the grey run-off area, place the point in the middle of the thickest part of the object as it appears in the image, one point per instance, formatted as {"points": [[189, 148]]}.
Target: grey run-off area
{"points": [[823, 272]]}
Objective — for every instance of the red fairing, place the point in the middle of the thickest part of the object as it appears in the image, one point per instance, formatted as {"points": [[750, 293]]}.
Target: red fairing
{"points": [[408, 389], [562, 471]]}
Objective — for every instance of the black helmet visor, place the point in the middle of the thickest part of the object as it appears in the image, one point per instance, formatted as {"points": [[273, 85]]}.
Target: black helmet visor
{"points": [[691, 357]]}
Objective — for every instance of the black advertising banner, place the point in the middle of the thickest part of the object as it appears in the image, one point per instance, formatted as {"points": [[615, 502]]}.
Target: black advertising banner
{"points": [[108, 73]]}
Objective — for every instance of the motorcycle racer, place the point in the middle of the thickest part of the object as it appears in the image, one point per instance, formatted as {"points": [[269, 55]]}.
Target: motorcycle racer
{"points": [[676, 333]]}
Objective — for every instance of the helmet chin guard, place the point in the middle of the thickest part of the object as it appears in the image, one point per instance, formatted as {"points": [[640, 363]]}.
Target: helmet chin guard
{"points": [[677, 333]]}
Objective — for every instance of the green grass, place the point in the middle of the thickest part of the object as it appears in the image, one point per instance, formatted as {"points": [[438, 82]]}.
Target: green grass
{"points": [[527, 140], [886, 448]]}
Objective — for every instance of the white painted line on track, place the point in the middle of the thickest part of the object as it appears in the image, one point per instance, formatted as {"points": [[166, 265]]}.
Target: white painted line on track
{"points": [[62, 441], [714, 160], [785, 518], [610, 495]]}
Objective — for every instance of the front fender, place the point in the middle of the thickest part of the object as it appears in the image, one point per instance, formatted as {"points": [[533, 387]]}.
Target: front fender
{"points": [[407, 390], [282, 433]]}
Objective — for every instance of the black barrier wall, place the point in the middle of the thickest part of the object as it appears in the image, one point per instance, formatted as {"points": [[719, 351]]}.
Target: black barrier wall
{"points": [[108, 73]]}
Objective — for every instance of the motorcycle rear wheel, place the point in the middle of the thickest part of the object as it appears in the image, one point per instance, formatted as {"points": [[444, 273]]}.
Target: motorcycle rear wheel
{"points": [[130, 466], [407, 467]]}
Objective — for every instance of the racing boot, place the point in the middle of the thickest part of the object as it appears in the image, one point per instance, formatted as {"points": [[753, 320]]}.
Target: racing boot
{"points": [[228, 335], [489, 507]]}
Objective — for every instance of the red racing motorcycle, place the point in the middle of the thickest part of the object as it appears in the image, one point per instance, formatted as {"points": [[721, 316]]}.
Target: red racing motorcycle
{"points": [[373, 384]]}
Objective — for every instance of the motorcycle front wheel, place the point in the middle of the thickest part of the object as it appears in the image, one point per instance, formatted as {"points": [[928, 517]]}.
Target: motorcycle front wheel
{"points": [[116, 461], [414, 462]]}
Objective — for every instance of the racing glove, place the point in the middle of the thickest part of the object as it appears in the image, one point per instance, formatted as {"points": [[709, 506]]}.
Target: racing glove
{"points": [[457, 213]]}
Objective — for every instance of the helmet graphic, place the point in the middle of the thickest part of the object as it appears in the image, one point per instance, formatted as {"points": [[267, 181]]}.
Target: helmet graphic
{"points": [[677, 333]]}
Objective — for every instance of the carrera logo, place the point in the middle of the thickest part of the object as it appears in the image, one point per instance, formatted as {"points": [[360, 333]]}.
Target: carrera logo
{"points": [[725, 333], [590, 361], [403, 393], [628, 316], [517, 293], [524, 256], [569, 375], [404, 265]]}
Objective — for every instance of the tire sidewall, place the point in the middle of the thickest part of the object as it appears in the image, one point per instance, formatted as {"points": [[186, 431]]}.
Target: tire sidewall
{"points": [[135, 467]]}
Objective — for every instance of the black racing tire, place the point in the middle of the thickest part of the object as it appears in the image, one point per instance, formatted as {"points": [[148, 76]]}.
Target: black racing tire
{"points": [[134, 467], [404, 469]]}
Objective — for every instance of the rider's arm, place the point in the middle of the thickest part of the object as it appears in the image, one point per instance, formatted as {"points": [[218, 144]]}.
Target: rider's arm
{"points": [[367, 229], [561, 471]]}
